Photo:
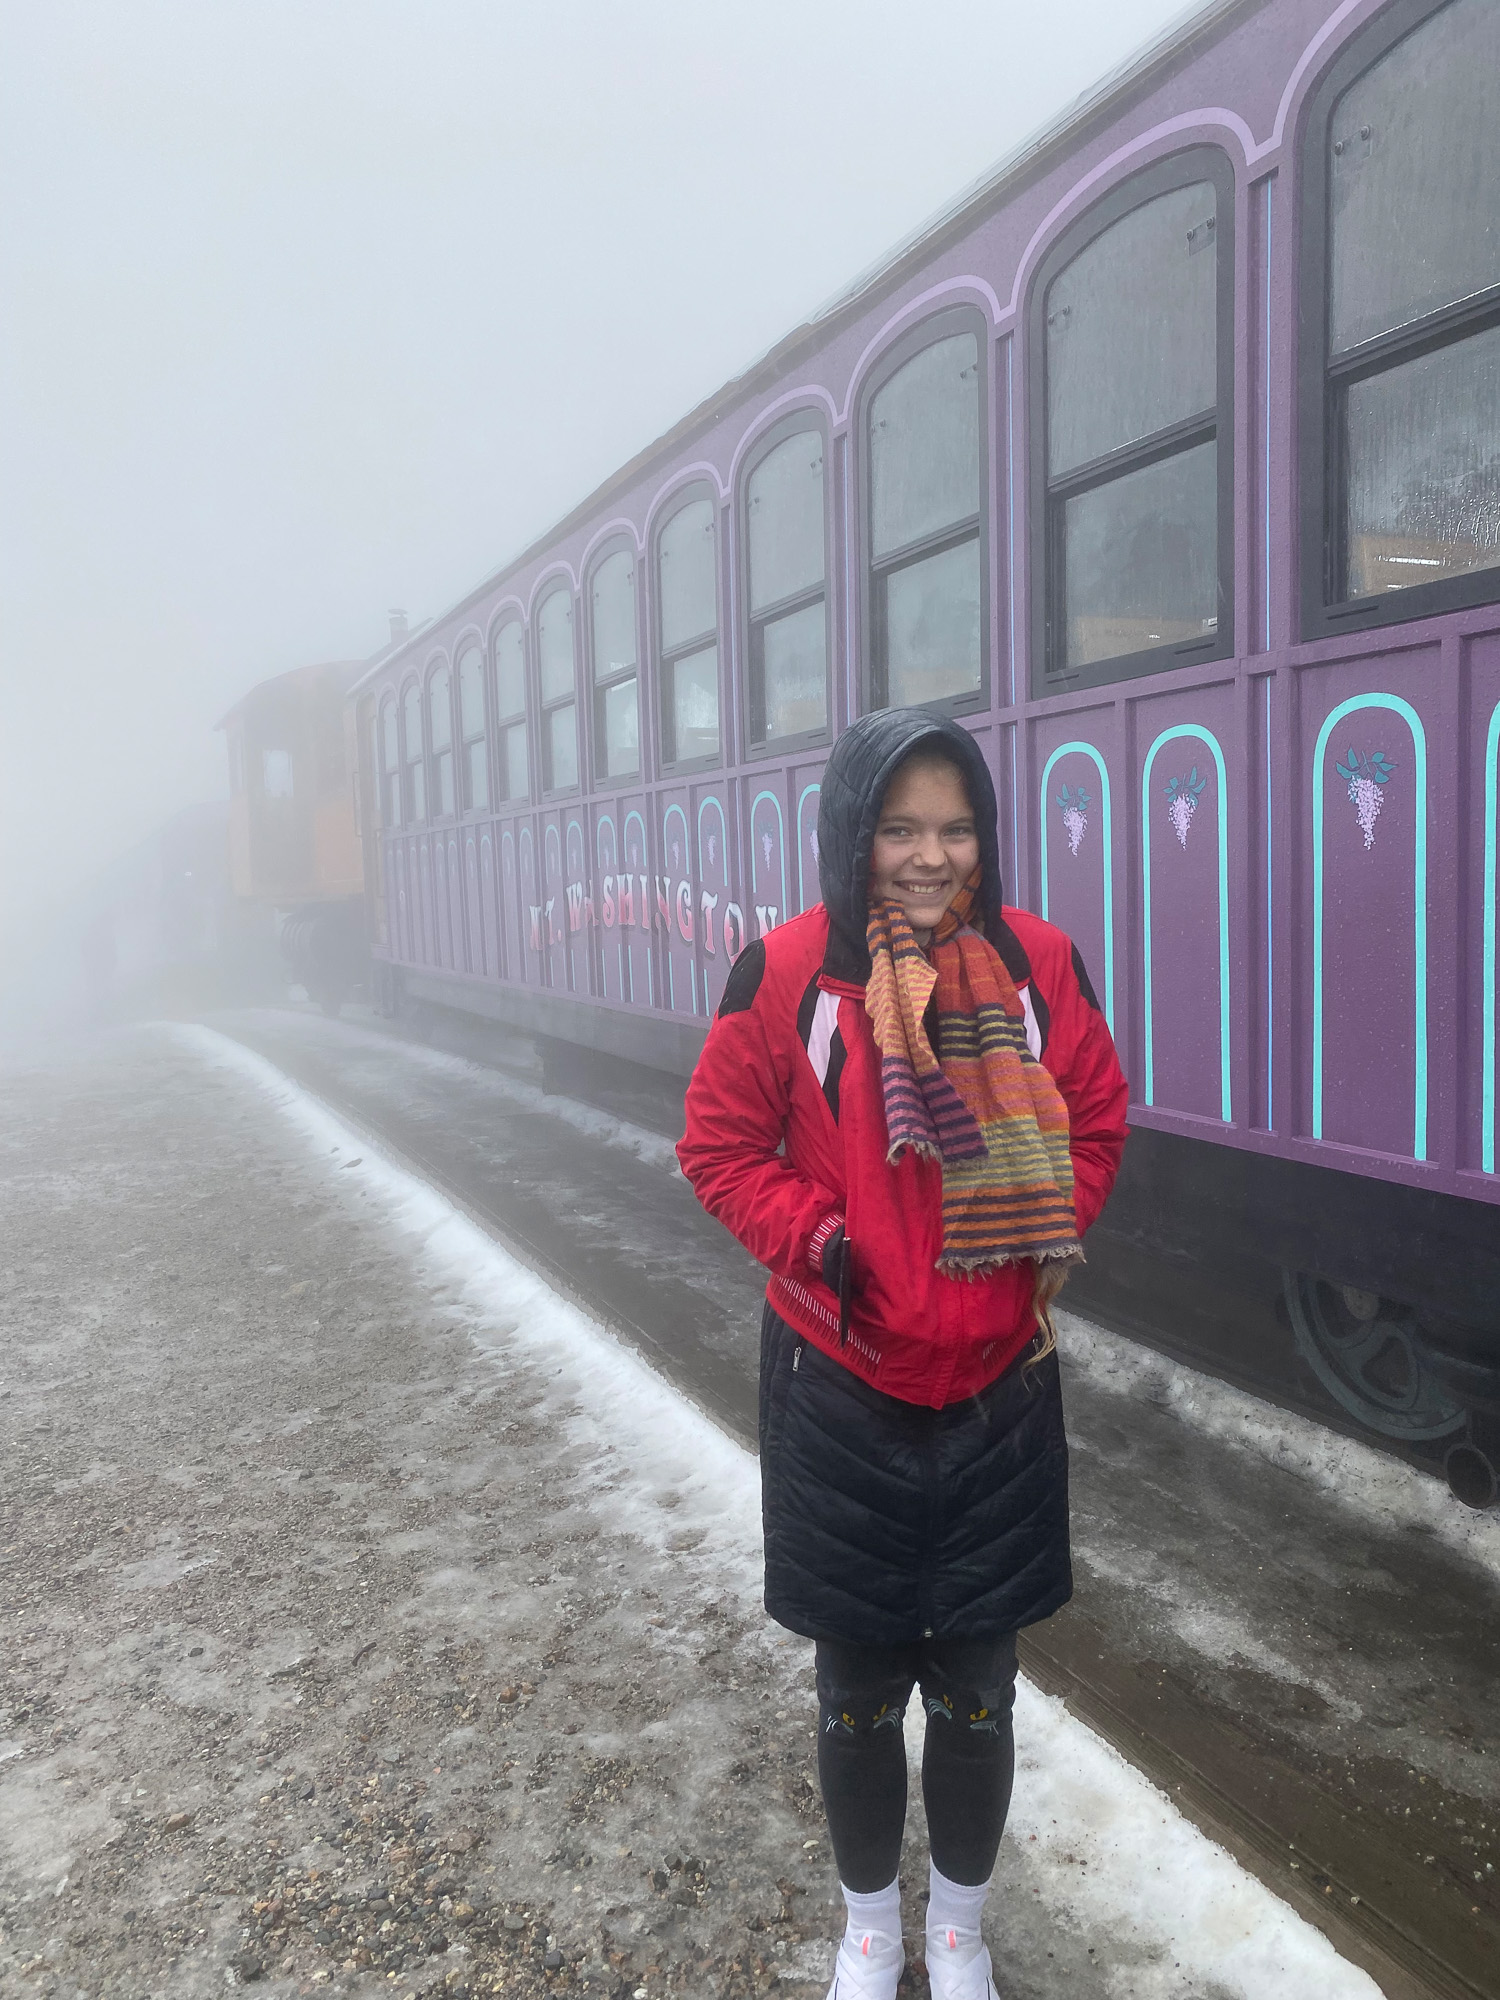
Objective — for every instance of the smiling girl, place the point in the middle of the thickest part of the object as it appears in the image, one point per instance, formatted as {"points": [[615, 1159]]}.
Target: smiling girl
{"points": [[909, 1109]]}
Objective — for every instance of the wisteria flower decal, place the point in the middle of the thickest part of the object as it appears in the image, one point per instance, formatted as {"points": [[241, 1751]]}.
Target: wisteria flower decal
{"points": [[1074, 807], [1183, 795], [1364, 777]]}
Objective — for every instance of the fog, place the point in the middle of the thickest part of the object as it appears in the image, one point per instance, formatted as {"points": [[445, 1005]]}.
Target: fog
{"points": [[313, 309]]}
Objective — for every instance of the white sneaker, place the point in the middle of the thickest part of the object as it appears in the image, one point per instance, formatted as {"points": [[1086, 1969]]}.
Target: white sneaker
{"points": [[971, 1977], [867, 1968]]}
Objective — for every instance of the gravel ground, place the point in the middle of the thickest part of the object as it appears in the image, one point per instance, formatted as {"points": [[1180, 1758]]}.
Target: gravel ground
{"points": [[326, 1661]]}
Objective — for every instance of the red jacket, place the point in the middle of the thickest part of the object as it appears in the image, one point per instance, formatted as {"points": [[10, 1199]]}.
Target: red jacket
{"points": [[786, 1138]]}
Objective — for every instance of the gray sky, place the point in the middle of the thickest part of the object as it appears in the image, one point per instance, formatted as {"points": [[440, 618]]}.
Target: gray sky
{"points": [[308, 308]]}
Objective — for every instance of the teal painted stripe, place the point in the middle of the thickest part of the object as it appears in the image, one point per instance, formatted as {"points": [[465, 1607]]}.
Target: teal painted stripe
{"points": [[781, 843], [1189, 729], [1413, 722], [807, 791], [1088, 750], [1491, 834]]}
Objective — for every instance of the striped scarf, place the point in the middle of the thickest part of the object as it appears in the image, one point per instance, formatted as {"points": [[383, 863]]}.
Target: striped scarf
{"points": [[982, 1105]]}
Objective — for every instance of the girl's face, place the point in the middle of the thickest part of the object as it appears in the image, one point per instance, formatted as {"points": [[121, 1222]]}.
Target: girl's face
{"points": [[926, 844]]}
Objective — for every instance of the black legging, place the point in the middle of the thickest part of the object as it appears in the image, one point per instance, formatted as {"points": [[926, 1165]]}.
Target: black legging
{"points": [[968, 1760]]}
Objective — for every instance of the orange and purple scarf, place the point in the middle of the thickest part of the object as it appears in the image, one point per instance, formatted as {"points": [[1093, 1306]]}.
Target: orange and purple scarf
{"points": [[981, 1105]]}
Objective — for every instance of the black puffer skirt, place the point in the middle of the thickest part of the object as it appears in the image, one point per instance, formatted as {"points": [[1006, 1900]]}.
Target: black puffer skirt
{"points": [[887, 1521]]}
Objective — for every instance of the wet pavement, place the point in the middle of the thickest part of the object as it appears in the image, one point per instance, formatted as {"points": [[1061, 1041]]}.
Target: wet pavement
{"points": [[371, 1627], [1316, 1679]]}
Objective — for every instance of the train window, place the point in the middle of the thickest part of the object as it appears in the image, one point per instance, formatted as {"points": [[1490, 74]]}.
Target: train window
{"points": [[1401, 397], [390, 766], [688, 574], [276, 774], [1132, 317], [476, 769], [440, 710], [510, 711], [617, 726], [926, 530], [787, 563], [557, 672], [416, 763]]}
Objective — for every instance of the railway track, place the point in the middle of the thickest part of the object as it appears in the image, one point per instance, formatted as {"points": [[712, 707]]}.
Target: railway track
{"points": [[1312, 1688]]}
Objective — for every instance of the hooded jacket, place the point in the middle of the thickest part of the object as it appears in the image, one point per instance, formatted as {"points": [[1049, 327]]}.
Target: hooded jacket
{"points": [[786, 1137]]}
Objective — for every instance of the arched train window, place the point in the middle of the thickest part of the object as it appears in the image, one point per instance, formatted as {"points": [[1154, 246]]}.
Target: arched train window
{"points": [[440, 711], [612, 632], [1401, 393], [688, 596], [416, 763], [1132, 426], [510, 711], [787, 563], [926, 514], [476, 769], [557, 672]]}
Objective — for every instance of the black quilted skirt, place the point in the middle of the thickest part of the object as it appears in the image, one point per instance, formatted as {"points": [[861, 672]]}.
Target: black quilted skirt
{"points": [[886, 1521]]}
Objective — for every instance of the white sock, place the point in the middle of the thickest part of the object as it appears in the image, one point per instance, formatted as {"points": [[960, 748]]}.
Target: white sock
{"points": [[953, 1914], [876, 1917]]}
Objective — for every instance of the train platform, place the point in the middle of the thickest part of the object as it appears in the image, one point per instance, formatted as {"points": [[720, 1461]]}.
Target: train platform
{"points": [[376, 1621]]}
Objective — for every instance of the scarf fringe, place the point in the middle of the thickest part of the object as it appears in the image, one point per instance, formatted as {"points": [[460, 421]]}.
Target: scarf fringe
{"points": [[953, 1264]]}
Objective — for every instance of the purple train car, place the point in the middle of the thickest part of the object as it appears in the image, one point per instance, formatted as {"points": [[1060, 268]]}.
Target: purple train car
{"points": [[1169, 460]]}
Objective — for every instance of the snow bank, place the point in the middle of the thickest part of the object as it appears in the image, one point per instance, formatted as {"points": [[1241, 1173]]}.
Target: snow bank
{"points": [[1103, 1850], [649, 1147], [1376, 1485]]}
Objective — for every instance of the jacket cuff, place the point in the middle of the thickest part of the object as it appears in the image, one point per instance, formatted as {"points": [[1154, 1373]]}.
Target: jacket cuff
{"points": [[817, 1243]]}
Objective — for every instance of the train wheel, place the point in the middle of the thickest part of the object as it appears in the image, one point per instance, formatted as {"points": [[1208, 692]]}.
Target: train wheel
{"points": [[1364, 1351]]}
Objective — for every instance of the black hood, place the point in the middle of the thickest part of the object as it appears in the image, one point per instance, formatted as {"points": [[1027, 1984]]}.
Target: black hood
{"points": [[855, 777]]}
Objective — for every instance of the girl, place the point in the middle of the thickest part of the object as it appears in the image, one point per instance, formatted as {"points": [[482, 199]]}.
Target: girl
{"points": [[909, 1109]]}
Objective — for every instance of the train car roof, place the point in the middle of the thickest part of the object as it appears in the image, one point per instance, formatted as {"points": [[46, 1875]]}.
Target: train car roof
{"points": [[355, 669], [1138, 72]]}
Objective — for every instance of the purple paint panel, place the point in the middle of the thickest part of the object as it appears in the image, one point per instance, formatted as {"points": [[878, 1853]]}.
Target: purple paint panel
{"points": [[486, 904], [531, 912], [807, 788], [715, 894], [422, 883], [771, 882], [437, 847], [457, 946], [633, 900], [673, 900], [1371, 769], [1183, 799], [395, 875], [1075, 844], [555, 905], [580, 912], [611, 948]]}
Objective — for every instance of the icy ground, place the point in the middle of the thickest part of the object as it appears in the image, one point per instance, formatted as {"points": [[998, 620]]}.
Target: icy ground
{"points": [[374, 1623]]}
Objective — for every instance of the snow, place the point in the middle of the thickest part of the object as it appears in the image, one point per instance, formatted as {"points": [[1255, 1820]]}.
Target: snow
{"points": [[1380, 1488], [1102, 1851]]}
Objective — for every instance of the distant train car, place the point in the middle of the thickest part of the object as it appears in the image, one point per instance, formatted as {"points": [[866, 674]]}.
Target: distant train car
{"points": [[1169, 460], [159, 931], [294, 847]]}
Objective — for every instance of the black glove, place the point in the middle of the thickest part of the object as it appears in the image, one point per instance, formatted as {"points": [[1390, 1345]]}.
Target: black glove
{"points": [[838, 1275]]}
